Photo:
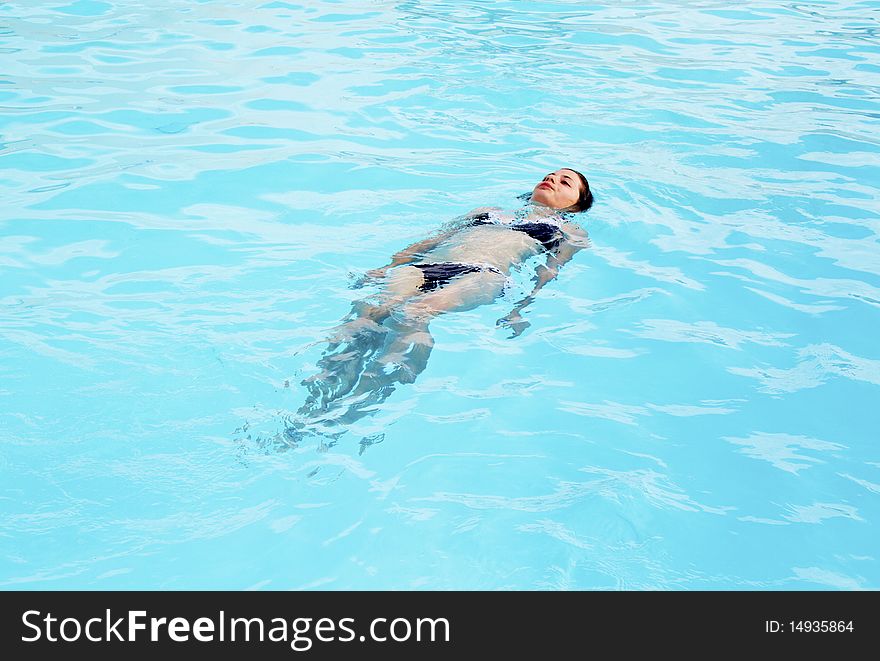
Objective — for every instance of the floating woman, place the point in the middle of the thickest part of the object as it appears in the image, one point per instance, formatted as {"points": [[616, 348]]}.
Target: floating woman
{"points": [[385, 341]]}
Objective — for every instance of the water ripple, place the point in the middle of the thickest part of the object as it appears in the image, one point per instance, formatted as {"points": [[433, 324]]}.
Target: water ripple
{"points": [[189, 190]]}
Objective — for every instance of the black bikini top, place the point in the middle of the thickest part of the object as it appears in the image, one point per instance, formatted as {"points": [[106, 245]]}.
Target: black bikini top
{"points": [[548, 235]]}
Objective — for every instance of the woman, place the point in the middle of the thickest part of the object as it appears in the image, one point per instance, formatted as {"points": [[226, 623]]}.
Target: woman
{"points": [[387, 341]]}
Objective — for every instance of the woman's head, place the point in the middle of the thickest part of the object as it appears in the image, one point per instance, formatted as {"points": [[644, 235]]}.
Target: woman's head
{"points": [[564, 189]]}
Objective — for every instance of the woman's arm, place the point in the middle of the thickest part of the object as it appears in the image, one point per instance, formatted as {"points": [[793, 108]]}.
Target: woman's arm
{"points": [[575, 240], [413, 252]]}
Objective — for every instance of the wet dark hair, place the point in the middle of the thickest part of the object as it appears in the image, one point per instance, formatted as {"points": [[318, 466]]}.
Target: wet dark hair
{"points": [[585, 200]]}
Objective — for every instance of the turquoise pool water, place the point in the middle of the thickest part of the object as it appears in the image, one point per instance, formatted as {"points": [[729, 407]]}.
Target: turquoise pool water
{"points": [[189, 188]]}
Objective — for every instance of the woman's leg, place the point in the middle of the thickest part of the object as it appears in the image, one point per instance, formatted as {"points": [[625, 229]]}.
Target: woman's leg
{"points": [[400, 284], [405, 353], [356, 340], [388, 344]]}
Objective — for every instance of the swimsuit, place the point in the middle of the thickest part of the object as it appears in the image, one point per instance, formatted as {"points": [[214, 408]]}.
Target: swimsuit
{"points": [[438, 274], [547, 234]]}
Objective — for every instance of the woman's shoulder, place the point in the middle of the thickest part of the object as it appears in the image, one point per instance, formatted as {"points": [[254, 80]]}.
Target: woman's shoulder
{"points": [[575, 233], [482, 210], [491, 215], [571, 225]]}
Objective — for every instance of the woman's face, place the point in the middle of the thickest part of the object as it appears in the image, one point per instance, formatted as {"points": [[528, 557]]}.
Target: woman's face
{"points": [[558, 190]]}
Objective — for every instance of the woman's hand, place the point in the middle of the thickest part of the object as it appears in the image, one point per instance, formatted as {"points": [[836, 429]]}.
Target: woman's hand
{"points": [[376, 274], [514, 322], [357, 282]]}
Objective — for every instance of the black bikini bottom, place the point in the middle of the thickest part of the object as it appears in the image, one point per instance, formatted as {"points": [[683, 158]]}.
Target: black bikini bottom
{"points": [[437, 275]]}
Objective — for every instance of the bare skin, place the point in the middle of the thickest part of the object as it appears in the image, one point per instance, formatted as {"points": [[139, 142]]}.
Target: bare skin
{"points": [[387, 341]]}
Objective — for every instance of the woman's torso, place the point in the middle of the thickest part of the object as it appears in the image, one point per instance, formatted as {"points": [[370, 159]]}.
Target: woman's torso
{"points": [[491, 240]]}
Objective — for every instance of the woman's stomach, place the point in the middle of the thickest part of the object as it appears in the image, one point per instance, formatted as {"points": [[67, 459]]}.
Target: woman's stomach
{"points": [[494, 245]]}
